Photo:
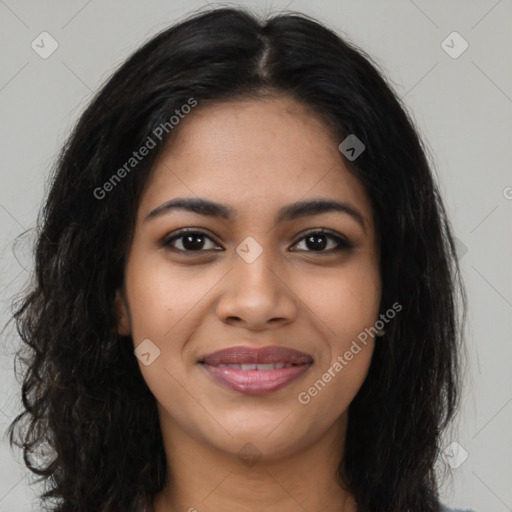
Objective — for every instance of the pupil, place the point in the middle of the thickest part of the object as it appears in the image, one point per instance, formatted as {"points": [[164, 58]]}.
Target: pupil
{"points": [[314, 239], [190, 242]]}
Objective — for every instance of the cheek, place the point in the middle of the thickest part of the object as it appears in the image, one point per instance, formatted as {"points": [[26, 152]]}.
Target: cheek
{"points": [[347, 305], [164, 302], [346, 301], [161, 296]]}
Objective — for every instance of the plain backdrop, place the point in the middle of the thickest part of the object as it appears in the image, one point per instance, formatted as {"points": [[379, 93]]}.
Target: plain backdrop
{"points": [[461, 103]]}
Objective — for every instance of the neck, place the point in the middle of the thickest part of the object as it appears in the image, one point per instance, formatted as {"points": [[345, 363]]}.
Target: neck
{"points": [[201, 478]]}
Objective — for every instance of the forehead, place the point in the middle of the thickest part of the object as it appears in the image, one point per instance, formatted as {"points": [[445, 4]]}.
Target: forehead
{"points": [[253, 154]]}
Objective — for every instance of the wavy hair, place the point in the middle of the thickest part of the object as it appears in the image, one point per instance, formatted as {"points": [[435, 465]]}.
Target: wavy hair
{"points": [[83, 394]]}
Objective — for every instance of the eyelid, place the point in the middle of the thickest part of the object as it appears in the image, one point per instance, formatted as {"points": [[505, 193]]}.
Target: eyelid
{"points": [[323, 231]]}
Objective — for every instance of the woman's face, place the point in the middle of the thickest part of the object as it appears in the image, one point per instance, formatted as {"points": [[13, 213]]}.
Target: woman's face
{"points": [[254, 278]]}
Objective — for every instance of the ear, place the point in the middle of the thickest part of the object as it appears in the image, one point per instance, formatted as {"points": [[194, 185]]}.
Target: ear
{"points": [[122, 314]]}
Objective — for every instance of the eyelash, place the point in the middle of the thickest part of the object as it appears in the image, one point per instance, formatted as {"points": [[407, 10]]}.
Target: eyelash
{"points": [[342, 244]]}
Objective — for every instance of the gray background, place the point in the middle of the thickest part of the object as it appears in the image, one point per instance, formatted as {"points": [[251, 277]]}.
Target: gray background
{"points": [[462, 107]]}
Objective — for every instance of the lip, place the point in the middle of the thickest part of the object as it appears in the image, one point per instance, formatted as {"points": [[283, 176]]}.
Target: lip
{"points": [[250, 355], [254, 381]]}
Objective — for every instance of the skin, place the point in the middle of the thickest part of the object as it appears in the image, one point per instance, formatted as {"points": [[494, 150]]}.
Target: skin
{"points": [[256, 156]]}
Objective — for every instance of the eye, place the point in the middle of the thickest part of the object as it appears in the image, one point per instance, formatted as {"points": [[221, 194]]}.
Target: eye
{"points": [[317, 240], [192, 240], [189, 240]]}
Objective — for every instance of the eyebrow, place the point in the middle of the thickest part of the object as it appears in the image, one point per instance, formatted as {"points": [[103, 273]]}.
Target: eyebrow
{"points": [[286, 213]]}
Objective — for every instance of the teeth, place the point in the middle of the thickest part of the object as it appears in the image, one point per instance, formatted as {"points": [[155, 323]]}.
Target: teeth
{"points": [[268, 366], [254, 366]]}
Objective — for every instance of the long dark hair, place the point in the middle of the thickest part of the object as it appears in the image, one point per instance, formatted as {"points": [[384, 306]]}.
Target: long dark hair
{"points": [[83, 394]]}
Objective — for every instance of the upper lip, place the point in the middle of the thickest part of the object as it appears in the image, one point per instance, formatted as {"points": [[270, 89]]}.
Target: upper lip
{"points": [[250, 355]]}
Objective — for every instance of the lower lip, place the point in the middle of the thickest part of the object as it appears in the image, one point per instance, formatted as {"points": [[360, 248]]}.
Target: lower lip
{"points": [[256, 382]]}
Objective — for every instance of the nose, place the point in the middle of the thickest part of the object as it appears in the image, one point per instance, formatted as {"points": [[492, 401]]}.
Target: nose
{"points": [[257, 295]]}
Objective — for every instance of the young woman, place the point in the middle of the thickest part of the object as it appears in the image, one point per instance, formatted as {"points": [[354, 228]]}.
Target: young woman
{"points": [[246, 287]]}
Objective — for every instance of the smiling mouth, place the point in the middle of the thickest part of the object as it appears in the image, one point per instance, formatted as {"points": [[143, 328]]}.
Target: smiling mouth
{"points": [[256, 371]]}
